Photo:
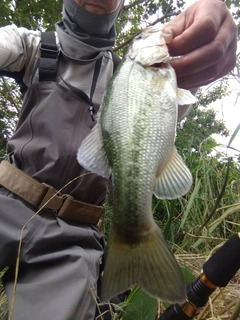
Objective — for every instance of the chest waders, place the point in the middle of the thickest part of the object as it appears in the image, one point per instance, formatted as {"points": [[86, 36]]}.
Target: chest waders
{"points": [[61, 249], [18, 176]]}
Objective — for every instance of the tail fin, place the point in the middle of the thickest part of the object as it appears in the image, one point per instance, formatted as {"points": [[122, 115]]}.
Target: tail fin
{"points": [[149, 264]]}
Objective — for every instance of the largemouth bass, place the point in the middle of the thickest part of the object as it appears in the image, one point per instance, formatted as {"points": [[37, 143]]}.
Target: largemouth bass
{"points": [[133, 142]]}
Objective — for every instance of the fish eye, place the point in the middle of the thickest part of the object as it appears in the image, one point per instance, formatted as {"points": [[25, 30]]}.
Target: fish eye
{"points": [[138, 37]]}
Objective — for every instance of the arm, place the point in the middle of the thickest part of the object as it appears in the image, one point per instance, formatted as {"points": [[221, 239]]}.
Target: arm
{"points": [[19, 48], [205, 38]]}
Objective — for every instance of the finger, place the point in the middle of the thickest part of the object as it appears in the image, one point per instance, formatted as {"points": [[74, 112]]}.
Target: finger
{"points": [[193, 38], [208, 75], [222, 49], [196, 27]]}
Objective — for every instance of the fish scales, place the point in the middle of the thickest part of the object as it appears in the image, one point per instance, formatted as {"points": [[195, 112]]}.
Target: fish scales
{"points": [[129, 129], [133, 142]]}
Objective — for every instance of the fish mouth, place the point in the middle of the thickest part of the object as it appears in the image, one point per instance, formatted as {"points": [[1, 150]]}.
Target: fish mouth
{"points": [[158, 65]]}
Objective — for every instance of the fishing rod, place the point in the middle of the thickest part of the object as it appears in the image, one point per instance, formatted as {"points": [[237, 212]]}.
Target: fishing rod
{"points": [[218, 270]]}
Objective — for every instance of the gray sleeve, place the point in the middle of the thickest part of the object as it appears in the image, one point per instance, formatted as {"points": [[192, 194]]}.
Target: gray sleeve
{"points": [[19, 48]]}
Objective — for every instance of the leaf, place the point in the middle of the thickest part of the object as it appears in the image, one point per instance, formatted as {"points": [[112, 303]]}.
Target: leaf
{"points": [[226, 214], [187, 275], [141, 307], [190, 204], [234, 135]]}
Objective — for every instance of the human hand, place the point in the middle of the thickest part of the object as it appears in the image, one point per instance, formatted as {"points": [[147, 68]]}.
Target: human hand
{"points": [[205, 38]]}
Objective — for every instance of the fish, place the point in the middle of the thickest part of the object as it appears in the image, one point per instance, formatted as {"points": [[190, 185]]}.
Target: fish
{"points": [[133, 145]]}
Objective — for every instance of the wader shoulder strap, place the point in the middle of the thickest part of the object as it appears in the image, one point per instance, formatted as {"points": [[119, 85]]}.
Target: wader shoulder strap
{"points": [[17, 76], [49, 52], [116, 61], [48, 63], [49, 57]]}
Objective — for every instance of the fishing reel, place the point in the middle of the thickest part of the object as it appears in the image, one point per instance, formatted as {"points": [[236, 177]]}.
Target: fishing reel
{"points": [[217, 272]]}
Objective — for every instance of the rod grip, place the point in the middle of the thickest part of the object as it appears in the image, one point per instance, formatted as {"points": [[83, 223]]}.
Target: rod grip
{"points": [[223, 264]]}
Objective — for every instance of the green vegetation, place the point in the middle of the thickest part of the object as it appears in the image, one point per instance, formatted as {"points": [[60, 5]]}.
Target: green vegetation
{"points": [[3, 300]]}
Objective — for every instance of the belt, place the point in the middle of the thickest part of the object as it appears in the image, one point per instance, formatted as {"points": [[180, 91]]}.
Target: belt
{"points": [[39, 195]]}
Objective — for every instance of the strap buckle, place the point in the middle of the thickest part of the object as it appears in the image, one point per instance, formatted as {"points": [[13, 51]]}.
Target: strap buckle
{"points": [[52, 200], [49, 48]]}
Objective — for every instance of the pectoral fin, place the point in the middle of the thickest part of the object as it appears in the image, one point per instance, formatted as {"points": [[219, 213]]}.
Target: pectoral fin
{"points": [[184, 98], [91, 154], [175, 180]]}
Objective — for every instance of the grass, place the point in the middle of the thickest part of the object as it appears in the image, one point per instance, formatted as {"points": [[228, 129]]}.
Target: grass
{"points": [[3, 299]]}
